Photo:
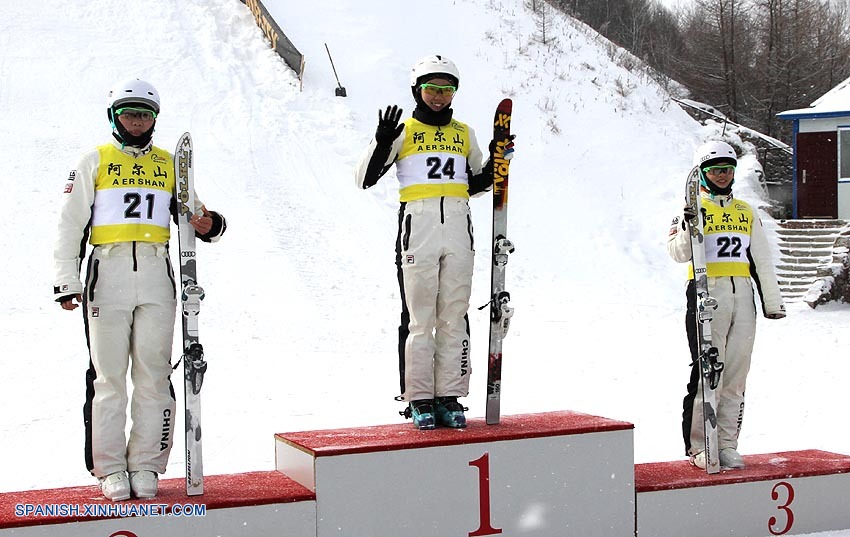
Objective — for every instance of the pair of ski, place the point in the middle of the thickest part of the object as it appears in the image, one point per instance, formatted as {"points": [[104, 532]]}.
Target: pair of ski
{"points": [[500, 311], [194, 365], [707, 354]]}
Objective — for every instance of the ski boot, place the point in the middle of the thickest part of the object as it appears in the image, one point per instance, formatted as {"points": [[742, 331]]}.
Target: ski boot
{"points": [[731, 459], [144, 483], [115, 486], [422, 412], [450, 412]]}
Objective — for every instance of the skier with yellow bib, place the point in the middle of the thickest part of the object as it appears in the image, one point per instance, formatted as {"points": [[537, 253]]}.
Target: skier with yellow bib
{"points": [[737, 254], [120, 199], [439, 166]]}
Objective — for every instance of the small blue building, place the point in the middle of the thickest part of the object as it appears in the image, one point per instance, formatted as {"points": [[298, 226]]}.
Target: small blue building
{"points": [[821, 183]]}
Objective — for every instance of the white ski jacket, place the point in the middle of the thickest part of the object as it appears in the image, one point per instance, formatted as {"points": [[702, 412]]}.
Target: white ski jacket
{"points": [[757, 253], [78, 212]]}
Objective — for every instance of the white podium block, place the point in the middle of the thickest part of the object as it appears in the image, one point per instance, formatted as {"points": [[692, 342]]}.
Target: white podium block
{"points": [[239, 505], [560, 473], [788, 493]]}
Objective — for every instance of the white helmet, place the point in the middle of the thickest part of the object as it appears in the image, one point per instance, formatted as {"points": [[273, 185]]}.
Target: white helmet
{"points": [[711, 153], [434, 65], [133, 91]]}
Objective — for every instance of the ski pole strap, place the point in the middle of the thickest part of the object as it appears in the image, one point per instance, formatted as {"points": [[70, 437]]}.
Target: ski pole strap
{"points": [[485, 305]]}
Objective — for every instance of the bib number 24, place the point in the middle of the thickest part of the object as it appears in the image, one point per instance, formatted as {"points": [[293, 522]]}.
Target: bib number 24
{"points": [[438, 169]]}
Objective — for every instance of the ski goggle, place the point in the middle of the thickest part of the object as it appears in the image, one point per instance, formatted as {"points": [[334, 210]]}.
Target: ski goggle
{"points": [[434, 89], [136, 113], [719, 170]]}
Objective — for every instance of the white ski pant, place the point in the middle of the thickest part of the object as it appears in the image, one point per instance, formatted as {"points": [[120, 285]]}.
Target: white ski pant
{"points": [[434, 255], [733, 330], [130, 308]]}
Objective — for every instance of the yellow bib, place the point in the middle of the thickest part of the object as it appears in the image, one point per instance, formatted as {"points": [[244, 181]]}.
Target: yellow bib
{"points": [[727, 238], [132, 196], [432, 161]]}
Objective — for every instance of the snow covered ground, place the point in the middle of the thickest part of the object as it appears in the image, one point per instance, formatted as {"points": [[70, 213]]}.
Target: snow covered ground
{"points": [[299, 322]]}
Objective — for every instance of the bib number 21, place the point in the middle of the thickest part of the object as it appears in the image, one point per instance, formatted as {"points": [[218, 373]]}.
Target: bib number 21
{"points": [[133, 200]]}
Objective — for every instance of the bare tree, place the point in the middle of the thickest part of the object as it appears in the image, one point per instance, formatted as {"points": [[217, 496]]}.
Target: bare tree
{"points": [[805, 52], [749, 58], [544, 23], [716, 36]]}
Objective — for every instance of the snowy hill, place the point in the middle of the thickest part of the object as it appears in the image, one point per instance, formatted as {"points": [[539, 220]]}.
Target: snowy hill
{"points": [[300, 319]]}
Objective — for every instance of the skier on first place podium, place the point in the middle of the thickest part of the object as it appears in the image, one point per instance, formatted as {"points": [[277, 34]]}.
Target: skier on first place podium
{"points": [[120, 198], [737, 255], [439, 166]]}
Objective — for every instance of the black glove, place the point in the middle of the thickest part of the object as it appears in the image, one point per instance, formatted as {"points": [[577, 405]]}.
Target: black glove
{"points": [[388, 127], [509, 147], [690, 213]]}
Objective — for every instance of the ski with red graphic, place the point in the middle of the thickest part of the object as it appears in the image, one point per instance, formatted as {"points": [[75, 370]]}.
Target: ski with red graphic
{"points": [[500, 310]]}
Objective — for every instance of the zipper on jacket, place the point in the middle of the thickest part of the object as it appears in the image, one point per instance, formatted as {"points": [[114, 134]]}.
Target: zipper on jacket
{"points": [[442, 211], [135, 261]]}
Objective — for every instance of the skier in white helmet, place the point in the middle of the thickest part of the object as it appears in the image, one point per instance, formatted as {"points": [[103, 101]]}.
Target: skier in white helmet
{"points": [[120, 199], [439, 166], [737, 254]]}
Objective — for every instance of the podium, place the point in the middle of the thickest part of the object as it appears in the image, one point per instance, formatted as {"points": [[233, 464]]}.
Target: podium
{"points": [[237, 505], [553, 474], [787, 493], [559, 473]]}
